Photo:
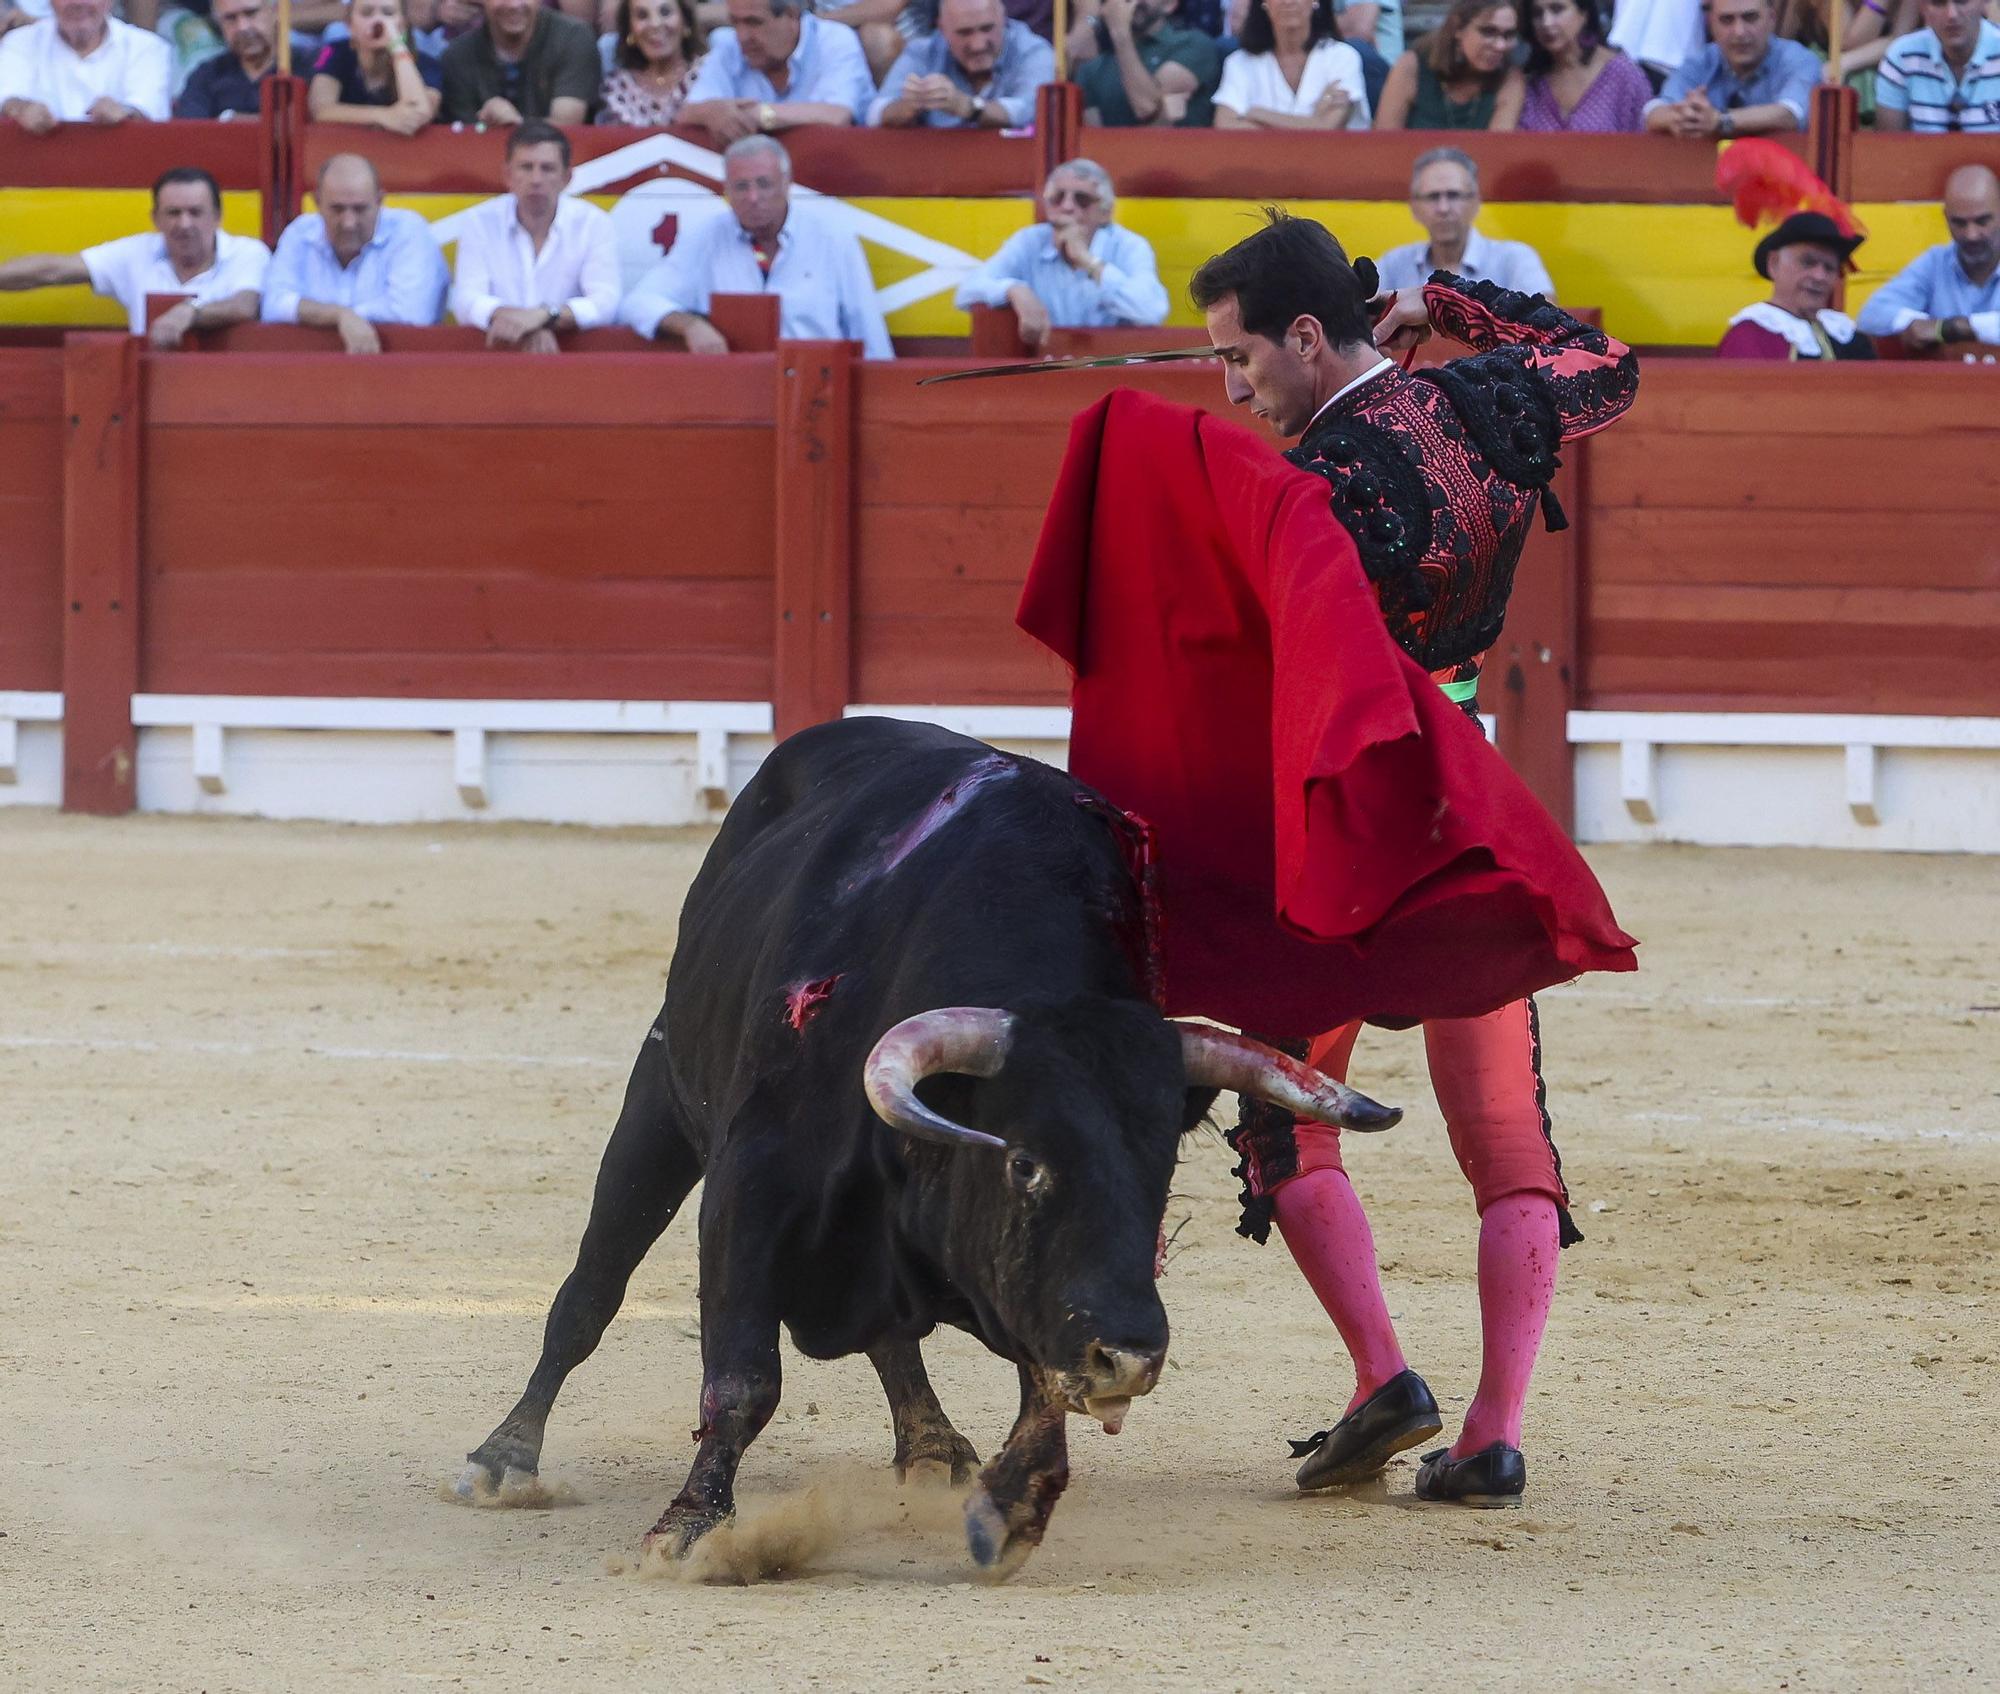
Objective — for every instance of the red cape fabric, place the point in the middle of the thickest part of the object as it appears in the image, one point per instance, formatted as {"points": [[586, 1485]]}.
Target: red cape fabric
{"points": [[1335, 839]]}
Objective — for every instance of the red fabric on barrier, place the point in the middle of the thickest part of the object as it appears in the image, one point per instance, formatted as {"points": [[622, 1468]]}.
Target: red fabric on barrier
{"points": [[1336, 839]]}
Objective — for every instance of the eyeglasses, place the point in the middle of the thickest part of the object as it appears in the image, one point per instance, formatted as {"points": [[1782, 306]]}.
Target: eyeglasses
{"points": [[1081, 198], [1499, 37], [1443, 197]]}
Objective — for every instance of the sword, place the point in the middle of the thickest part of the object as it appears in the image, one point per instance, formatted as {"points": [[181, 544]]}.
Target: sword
{"points": [[1097, 362]]}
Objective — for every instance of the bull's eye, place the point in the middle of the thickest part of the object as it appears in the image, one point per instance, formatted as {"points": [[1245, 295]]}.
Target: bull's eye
{"points": [[1027, 1174]]}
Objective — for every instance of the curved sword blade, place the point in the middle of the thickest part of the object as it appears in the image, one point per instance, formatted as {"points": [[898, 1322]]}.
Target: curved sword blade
{"points": [[1098, 362]]}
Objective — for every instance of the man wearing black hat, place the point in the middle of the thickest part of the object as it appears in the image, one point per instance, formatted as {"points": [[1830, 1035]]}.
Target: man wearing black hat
{"points": [[1803, 258]]}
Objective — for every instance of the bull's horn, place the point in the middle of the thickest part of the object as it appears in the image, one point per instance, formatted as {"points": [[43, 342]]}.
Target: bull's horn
{"points": [[969, 1039], [1216, 1059]]}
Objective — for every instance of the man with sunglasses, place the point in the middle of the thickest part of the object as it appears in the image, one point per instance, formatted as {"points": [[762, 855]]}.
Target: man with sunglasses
{"points": [[1945, 78], [1074, 270], [1742, 83]]}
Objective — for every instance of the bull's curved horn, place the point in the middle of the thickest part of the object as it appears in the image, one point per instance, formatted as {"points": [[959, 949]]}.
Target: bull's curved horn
{"points": [[1216, 1059], [969, 1039]]}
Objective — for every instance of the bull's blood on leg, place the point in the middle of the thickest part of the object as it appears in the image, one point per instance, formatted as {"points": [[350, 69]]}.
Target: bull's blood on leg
{"points": [[1518, 1247], [1321, 1219]]}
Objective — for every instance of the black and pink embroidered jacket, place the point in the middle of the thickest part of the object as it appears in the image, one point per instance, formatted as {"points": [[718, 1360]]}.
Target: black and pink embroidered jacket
{"points": [[1437, 474]]}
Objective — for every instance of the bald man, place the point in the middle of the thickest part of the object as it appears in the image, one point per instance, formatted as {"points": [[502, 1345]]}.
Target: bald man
{"points": [[355, 263], [1952, 292]]}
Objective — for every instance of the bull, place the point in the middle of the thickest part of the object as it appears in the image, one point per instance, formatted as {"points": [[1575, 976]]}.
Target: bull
{"points": [[908, 1040]]}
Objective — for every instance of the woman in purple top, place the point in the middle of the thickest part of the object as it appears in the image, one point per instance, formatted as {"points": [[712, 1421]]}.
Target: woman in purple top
{"points": [[1576, 81]]}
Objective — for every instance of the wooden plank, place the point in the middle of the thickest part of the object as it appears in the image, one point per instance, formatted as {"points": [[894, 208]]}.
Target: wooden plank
{"points": [[1906, 683], [86, 155], [813, 500], [287, 612], [570, 502], [953, 661], [1914, 167], [935, 543], [100, 670], [1826, 548], [32, 434], [1528, 680], [424, 390], [1704, 396], [1775, 472], [389, 671], [992, 599]]}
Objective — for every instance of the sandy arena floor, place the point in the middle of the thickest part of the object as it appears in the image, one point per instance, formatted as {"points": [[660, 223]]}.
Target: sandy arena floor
{"points": [[298, 1128]]}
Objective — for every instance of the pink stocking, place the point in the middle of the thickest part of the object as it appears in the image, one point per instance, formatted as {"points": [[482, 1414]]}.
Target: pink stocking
{"points": [[1517, 1285], [1321, 1219]]}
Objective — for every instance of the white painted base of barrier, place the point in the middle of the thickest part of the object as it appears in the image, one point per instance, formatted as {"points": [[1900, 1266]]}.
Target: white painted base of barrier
{"points": [[1783, 779], [1714, 779]]}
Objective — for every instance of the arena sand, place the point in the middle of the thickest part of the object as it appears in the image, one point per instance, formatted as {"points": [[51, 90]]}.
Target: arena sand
{"points": [[299, 1126]]}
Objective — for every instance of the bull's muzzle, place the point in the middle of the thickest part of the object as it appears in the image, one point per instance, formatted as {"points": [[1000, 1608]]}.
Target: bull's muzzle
{"points": [[1111, 1379]]}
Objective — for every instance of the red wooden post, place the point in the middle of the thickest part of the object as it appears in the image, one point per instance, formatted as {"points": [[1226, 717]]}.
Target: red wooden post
{"points": [[100, 571], [1529, 680], [814, 509], [1058, 124]]}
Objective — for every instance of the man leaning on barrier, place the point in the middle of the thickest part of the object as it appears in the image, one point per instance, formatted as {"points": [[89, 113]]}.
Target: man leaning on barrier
{"points": [[217, 274], [355, 263]]}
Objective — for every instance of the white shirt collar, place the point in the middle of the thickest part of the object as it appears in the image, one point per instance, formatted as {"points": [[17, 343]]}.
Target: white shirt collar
{"points": [[1838, 326], [1369, 375]]}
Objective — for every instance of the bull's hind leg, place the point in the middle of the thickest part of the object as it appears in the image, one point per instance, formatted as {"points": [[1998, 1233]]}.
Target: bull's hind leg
{"points": [[647, 1171], [926, 1443]]}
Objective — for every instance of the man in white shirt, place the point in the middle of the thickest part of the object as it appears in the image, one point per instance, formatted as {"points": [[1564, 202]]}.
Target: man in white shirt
{"points": [[776, 67], [218, 276], [766, 246], [81, 65], [1075, 268], [1444, 198], [533, 262]]}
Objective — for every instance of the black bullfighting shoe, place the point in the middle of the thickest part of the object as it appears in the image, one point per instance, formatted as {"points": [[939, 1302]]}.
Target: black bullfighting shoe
{"points": [[1399, 1414], [1493, 1476]]}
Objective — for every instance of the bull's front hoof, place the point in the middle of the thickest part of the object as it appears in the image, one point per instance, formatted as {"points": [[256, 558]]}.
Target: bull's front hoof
{"points": [[483, 1484], [1000, 1540], [680, 1527]]}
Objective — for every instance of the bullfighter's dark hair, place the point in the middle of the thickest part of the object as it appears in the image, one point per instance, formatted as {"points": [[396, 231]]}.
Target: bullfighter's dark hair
{"points": [[537, 132], [1257, 35], [187, 173], [1291, 268]]}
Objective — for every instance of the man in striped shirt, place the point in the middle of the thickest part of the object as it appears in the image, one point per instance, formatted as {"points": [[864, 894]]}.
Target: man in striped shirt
{"points": [[1944, 79]]}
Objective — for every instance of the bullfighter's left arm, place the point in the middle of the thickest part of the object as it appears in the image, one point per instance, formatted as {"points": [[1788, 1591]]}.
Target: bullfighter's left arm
{"points": [[1589, 378]]}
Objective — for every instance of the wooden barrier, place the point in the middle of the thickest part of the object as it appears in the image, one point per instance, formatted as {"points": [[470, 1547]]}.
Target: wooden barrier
{"points": [[816, 531], [1796, 540]]}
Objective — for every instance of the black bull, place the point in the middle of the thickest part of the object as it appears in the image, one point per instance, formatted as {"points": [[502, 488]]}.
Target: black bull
{"points": [[908, 1042]]}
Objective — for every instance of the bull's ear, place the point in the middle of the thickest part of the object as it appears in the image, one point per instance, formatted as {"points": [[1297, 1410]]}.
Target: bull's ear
{"points": [[1196, 1104]]}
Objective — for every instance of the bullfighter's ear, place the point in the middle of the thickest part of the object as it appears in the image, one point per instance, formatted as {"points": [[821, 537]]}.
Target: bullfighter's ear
{"points": [[1195, 1107]]}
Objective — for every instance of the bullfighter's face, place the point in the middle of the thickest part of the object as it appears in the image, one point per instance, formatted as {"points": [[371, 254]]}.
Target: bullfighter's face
{"points": [[1273, 377]]}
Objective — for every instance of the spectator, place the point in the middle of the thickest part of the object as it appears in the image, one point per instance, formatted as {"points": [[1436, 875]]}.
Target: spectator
{"points": [[522, 62], [1292, 72], [765, 244], [1145, 68], [534, 260], [1951, 293], [1868, 29], [659, 45], [1460, 76], [1742, 83], [1945, 79], [978, 69], [188, 254], [1803, 258], [1074, 270], [1577, 83], [231, 83], [777, 67], [1374, 30], [1659, 36], [355, 263], [81, 65], [1444, 198], [376, 76]]}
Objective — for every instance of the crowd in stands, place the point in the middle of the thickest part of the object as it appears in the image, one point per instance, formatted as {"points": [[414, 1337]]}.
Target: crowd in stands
{"points": [[1702, 69]]}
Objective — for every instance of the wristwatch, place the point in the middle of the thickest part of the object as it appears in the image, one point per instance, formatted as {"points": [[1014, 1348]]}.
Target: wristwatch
{"points": [[978, 114], [767, 117], [1725, 125], [554, 317]]}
